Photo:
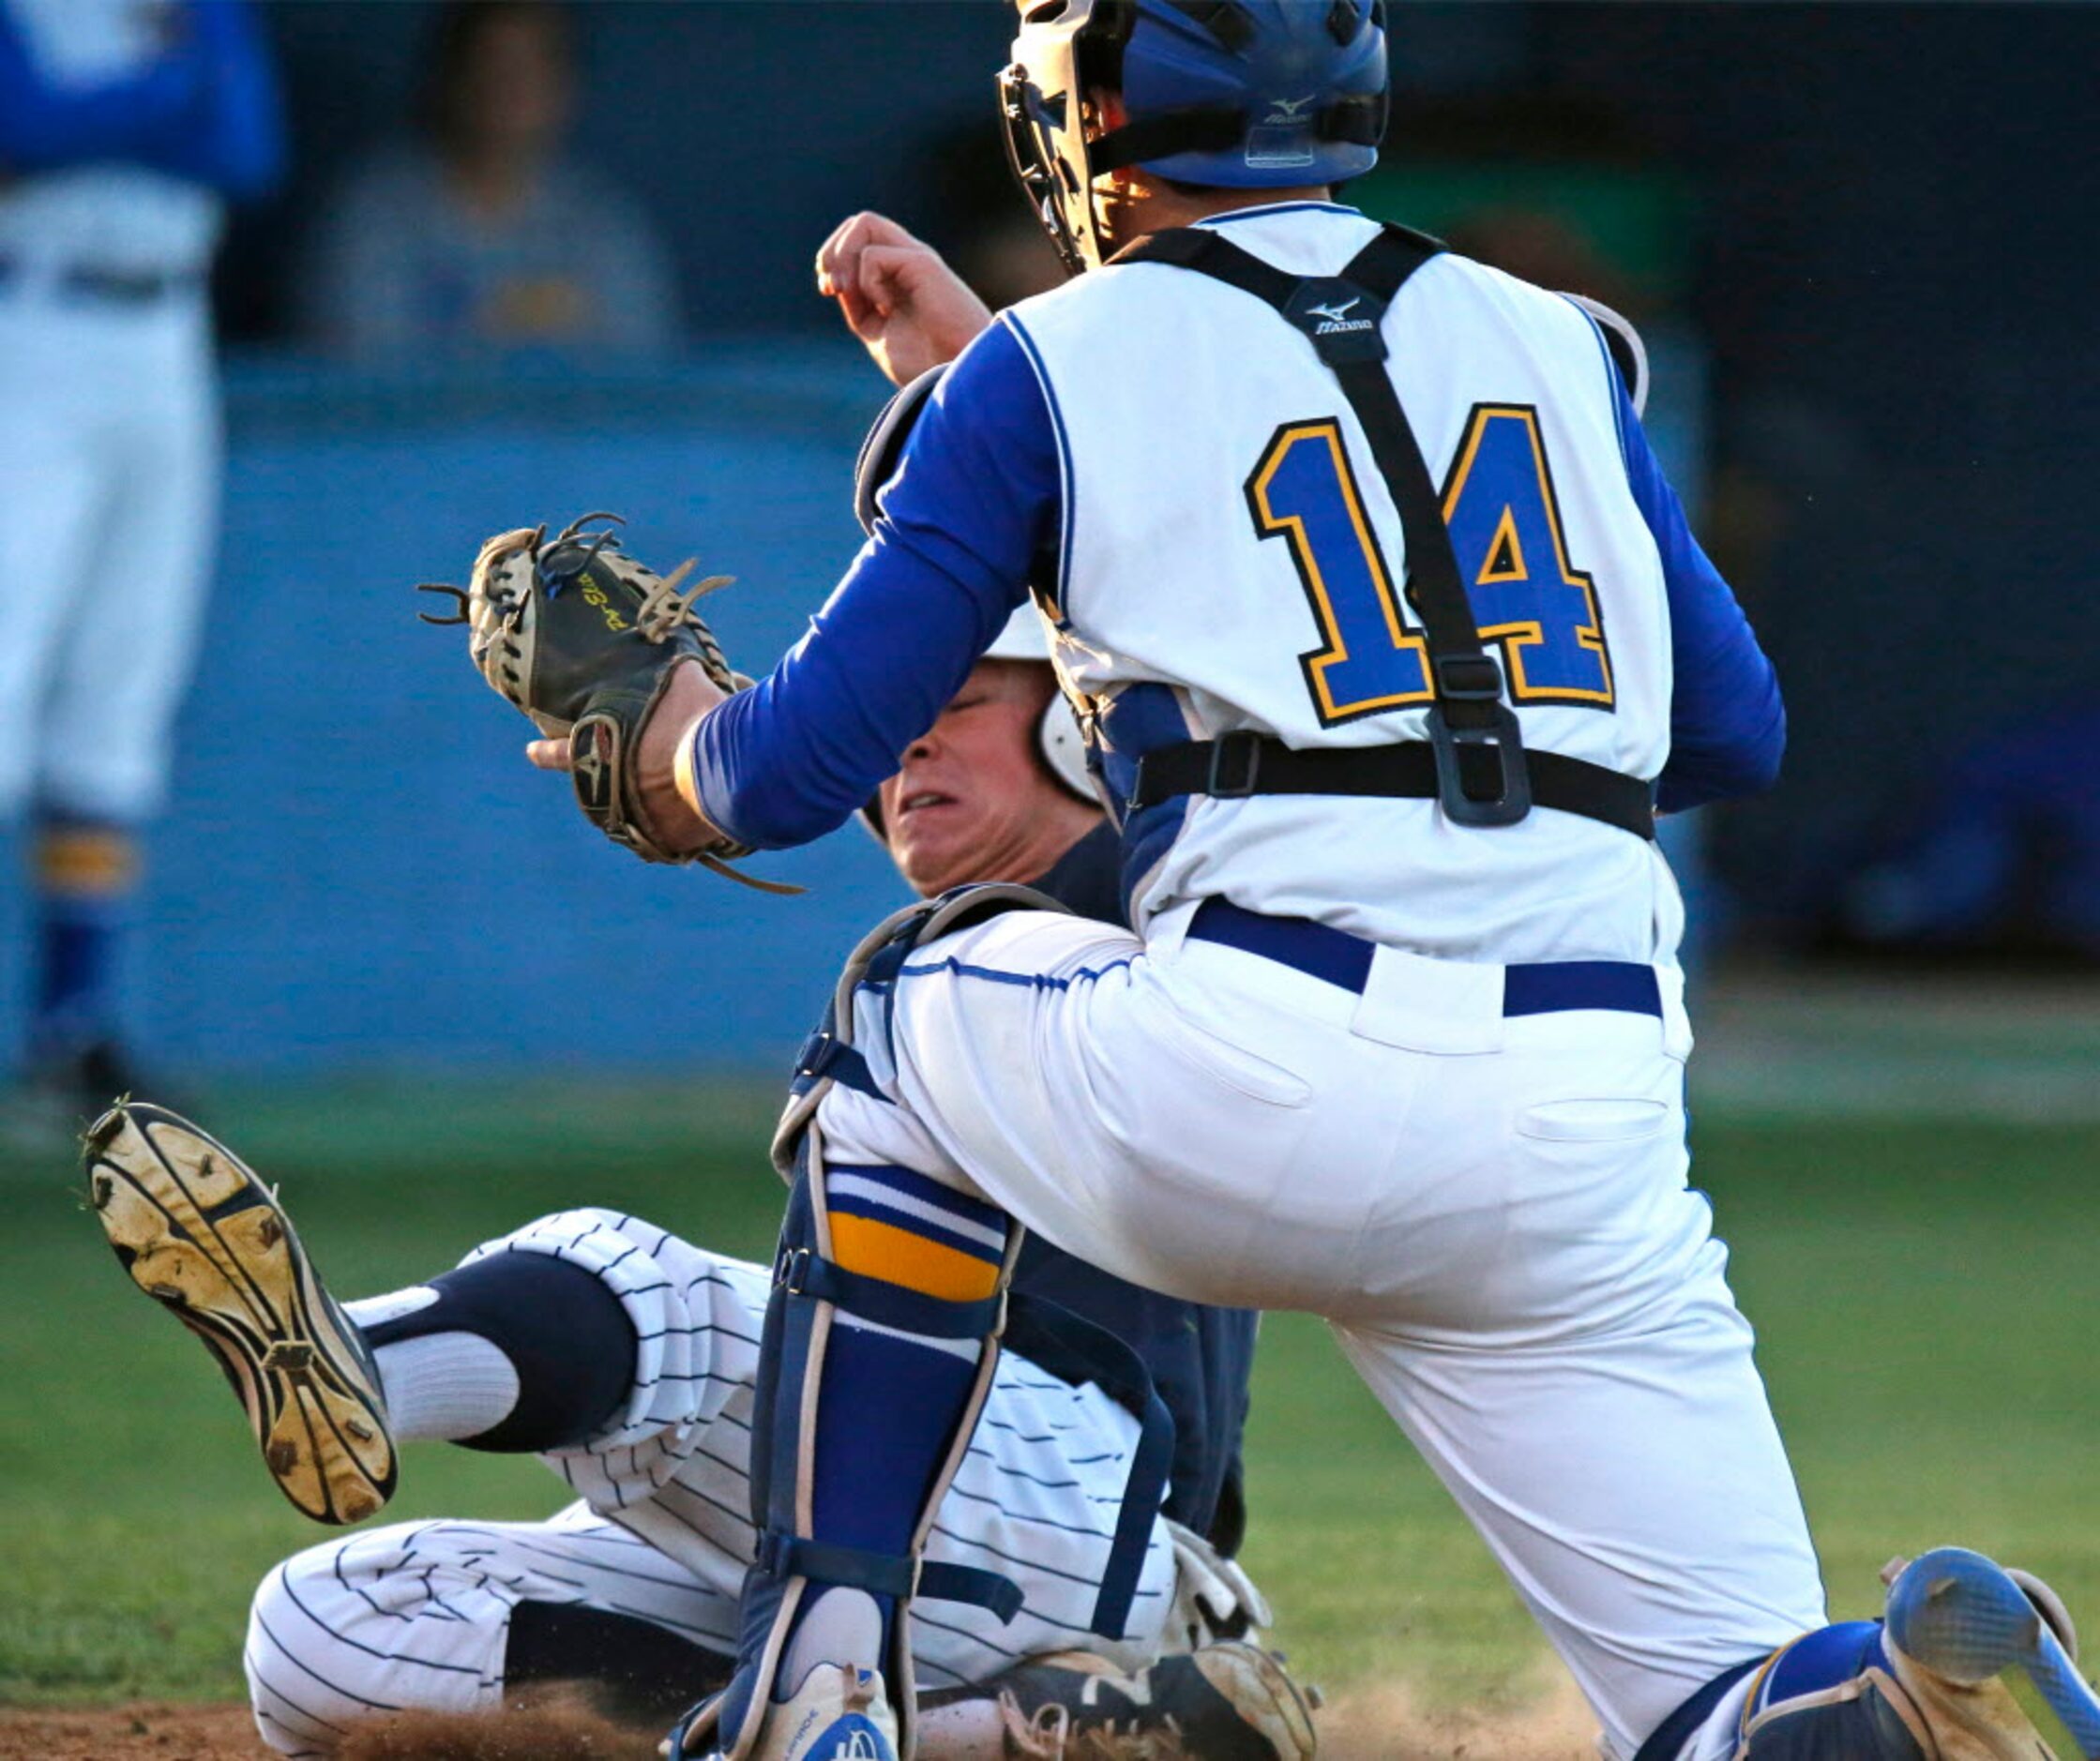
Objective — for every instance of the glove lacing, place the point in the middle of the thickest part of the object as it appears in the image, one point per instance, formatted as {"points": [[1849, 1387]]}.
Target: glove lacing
{"points": [[663, 610], [1049, 1736]]}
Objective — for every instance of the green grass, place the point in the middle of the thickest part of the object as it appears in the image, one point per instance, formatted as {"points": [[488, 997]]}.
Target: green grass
{"points": [[1921, 1291]]}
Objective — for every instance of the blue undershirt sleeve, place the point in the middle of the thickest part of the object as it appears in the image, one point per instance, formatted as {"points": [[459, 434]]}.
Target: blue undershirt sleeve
{"points": [[976, 496], [45, 126], [1727, 726]]}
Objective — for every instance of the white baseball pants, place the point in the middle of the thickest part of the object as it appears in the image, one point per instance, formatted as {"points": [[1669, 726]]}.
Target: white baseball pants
{"points": [[417, 1613], [109, 511], [1492, 1212]]}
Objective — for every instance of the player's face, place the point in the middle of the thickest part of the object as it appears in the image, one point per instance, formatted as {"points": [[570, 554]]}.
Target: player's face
{"points": [[973, 802]]}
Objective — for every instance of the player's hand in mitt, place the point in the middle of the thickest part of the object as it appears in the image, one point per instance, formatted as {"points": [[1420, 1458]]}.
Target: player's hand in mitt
{"points": [[592, 644]]}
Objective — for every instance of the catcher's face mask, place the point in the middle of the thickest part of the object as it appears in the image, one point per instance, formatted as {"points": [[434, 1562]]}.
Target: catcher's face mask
{"points": [[1042, 97]]}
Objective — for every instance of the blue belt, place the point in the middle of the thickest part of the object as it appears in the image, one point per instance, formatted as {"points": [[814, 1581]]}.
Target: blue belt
{"points": [[110, 286], [1320, 951]]}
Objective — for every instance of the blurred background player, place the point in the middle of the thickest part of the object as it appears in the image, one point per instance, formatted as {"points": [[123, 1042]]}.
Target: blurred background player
{"points": [[125, 128], [480, 231]]}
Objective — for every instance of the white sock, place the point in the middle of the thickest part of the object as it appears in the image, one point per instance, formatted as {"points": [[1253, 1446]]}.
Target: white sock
{"points": [[444, 1387], [844, 1627]]}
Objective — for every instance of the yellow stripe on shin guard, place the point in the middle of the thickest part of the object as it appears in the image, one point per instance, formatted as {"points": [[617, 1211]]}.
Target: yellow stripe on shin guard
{"points": [[898, 1256]]}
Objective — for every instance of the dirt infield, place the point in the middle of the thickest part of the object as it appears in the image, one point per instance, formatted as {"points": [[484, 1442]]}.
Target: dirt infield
{"points": [[132, 1733], [1382, 1727]]}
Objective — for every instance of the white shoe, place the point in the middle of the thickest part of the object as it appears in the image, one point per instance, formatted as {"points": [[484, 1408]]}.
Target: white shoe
{"points": [[839, 1713]]}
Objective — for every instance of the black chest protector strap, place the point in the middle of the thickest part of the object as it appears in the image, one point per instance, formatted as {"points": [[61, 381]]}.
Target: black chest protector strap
{"points": [[1474, 763]]}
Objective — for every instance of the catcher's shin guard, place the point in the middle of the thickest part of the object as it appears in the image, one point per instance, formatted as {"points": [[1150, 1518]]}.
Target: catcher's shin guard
{"points": [[199, 1233], [881, 1336]]}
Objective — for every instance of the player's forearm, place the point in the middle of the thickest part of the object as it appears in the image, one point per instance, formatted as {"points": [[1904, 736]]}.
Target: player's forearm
{"points": [[1746, 762], [960, 526], [790, 759]]}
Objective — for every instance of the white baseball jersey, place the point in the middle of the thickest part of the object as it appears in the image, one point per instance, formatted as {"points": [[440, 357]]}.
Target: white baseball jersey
{"points": [[1229, 534], [1171, 459]]}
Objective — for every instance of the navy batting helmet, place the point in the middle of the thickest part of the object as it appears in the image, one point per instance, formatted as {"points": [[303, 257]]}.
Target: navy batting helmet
{"points": [[1227, 94]]}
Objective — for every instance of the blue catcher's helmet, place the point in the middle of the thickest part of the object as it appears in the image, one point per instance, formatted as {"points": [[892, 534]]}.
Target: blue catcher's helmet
{"points": [[1228, 94]]}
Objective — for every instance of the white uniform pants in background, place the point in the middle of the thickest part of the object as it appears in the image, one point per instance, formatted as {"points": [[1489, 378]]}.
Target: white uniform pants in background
{"points": [[109, 511], [417, 1613], [1491, 1210]]}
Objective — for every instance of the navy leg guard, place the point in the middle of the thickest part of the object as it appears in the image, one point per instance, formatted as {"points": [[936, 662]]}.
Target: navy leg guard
{"points": [[848, 1468], [857, 1433], [565, 1334]]}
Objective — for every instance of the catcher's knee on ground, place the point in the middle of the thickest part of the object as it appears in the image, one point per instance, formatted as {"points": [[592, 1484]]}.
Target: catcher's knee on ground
{"points": [[384, 1621]]}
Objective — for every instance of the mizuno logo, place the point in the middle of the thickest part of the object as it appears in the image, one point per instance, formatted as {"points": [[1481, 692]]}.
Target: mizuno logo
{"points": [[1335, 319], [1287, 109]]}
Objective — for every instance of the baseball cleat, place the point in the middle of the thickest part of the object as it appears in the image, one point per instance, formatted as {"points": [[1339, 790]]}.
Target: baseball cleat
{"points": [[1957, 1622], [199, 1234], [1232, 1698], [839, 1714]]}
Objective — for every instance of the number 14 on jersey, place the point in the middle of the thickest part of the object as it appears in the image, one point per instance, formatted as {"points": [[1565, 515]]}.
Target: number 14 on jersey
{"points": [[1507, 530]]}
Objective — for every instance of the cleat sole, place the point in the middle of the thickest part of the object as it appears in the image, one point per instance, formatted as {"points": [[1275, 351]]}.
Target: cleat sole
{"points": [[199, 1234]]}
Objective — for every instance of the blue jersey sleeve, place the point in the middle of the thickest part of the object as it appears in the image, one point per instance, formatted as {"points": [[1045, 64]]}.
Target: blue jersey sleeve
{"points": [[206, 110], [1727, 726], [976, 496], [238, 146], [44, 126]]}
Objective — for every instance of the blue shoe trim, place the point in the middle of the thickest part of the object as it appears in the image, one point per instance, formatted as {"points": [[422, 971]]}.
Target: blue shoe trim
{"points": [[852, 1738], [1963, 1617]]}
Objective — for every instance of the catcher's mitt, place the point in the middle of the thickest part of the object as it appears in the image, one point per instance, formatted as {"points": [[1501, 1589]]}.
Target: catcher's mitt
{"points": [[582, 639]]}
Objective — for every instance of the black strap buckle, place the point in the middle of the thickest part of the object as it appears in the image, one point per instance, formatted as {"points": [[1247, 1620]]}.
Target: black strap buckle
{"points": [[1468, 679], [1235, 765], [819, 1052], [1512, 797]]}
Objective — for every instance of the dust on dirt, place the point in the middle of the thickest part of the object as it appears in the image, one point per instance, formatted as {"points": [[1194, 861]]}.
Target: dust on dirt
{"points": [[1386, 1725], [1391, 1724]]}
